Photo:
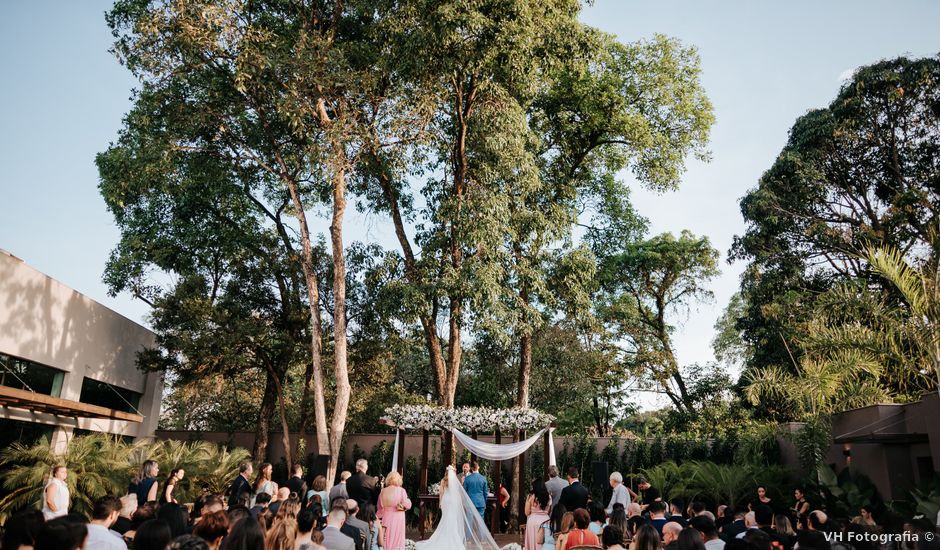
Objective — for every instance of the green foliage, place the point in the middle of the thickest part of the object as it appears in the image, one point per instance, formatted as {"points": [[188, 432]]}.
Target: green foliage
{"points": [[101, 464], [848, 491]]}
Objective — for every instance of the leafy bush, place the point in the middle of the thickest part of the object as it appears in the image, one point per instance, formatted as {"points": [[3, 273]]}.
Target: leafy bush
{"points": [[101, 464]]}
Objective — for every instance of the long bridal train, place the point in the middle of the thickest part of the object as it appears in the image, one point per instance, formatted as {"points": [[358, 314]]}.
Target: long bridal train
{"points": [[461, 525]]}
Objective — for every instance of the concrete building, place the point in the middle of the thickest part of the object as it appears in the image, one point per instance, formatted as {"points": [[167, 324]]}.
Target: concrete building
{"points": [[67, 363]]}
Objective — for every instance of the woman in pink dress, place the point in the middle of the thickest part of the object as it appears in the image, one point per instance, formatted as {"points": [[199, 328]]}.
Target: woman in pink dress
{"points": [[536, 511], [393, 502]]}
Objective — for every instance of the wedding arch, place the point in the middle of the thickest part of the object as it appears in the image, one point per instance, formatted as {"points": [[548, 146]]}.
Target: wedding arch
{"points": [[475, 420]]}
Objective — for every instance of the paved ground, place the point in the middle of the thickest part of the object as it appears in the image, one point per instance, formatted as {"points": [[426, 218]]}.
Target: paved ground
{"points": [[501, 539]]}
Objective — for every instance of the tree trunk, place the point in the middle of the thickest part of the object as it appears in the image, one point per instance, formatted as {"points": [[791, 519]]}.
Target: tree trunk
{"points": [[340, 367], [282, 409], [259, 450]]}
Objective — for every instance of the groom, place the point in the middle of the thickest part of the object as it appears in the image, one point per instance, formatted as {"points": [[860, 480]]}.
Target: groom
{"points": [[477, 488]]}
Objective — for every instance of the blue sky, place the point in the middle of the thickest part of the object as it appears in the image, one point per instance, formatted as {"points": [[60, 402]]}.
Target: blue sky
{"points": [[764, 63]]}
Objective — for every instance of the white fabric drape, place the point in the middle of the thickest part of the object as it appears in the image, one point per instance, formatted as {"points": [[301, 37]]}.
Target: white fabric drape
{"points": [[395, 451], [492, 451], [551, 447]]}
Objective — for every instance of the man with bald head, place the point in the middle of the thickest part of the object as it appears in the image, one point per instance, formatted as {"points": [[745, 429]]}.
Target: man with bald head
{"points": [[671, 535], [283, 493], [352, 508]]}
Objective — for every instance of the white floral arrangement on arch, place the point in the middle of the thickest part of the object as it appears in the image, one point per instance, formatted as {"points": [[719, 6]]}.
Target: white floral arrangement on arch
{"points": [[467, 419], [434, 489]]}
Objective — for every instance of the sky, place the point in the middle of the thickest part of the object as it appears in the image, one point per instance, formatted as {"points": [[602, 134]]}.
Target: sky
{"points": [[63, 96]]}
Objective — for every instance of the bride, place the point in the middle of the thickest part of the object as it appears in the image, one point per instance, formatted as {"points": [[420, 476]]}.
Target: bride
{"points": [[461, 525]]}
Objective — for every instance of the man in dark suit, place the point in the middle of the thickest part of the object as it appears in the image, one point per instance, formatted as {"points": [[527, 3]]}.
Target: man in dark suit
{"points": [[296, 484], [361, 486], [575, 495], [241, 485]]}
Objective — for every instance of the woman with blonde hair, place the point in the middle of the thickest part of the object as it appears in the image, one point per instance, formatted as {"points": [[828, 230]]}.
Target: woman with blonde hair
{"points": [[144, 484], [283, 535], [561, 537], [288, 509], [393, 502]]}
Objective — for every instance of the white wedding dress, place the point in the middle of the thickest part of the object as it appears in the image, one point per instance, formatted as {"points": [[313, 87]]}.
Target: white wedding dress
{"points": [[461, 525]]}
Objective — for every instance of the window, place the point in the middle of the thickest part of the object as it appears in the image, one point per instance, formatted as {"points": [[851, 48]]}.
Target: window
{"points": [[96, 392], [26, 375]]}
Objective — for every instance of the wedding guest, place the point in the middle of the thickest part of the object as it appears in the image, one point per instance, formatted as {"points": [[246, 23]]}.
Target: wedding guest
{"points": [[144, 484], [801, 507], [339, 490], [176, 516], [21, 529], [283, 493], [262, 501], [864, 517], [317, 492], [240, 485], [212, 529], [103, 515], [620, 495], [361, 486], [598, 517], [55, 502], [671, 532], [676, 507], [393, 502], [619, 520], [762, 498], [708, 531], [581, 535], [657, 512], [575, 495], [175, 476], [128, 507], [561, 535], [352, 507], [646, 538], [263, 483], [305, 524], [612, 539], [61, 533], [549, 528], [374, 535], [555, 485], [296, 483], [188, 542], [334, 538], [634, 518], [246, 534], [537, 506], [282, 535], [153, 534], [689, 539]]}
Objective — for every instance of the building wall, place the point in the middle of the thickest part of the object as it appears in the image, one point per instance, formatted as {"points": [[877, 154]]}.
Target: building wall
{"points": [[44, 321]]}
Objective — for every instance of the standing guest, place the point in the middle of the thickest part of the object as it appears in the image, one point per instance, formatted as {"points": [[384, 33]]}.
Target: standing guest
{"points": [[103, 515], [864, 518], [305, 524], [144, 484], [671, 532], [61, 534], [246, 534], [263, 483], [537, 506], [762, 498], [282, 536], [317, 492], [581, 535], [352, 507], [393, 502], [374, 535], [55, 502], [213, 529], [575, 495], [503, 501], [689, 539], [296, 483], [648, 493], [612, 539], [708, 531], [646, 538], [598, 517], [153, 534], [339, 490], [675, 508], [361, 486], [241, 486], [22, 529], [801, 507], [555, 485], [477, 488], [658, 519], [620, 495], [176, 475], [619, 520], [333, 537]]}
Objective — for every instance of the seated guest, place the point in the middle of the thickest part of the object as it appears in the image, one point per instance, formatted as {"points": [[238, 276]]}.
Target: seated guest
{"points": [[689, 539], [634, 519], [676, 506], [283, 493], [581, 535], [708, 531], [657, 512], [352, 508], [103, 515], [153, 534], [619, 520], [305, 524], [176, 516], [696, 509], [213, 528], [245, 533], [188, 542], [333, 536], [612, 538], [812, 540], [551, 528], [22, 529], [62, 533], [236, 513], [736, 526], [759, 539], [671, 532], [646, 538], [261, 504], [598, 517], [339, 490]]}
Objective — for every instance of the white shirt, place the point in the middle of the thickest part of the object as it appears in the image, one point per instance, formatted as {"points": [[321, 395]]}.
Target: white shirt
{"points": [[716, 544], [620, 495], [61, 499], [102, 538]]}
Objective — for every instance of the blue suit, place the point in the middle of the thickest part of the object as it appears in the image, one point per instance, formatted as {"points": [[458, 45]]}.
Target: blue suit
{"points": [[477, 489]]}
